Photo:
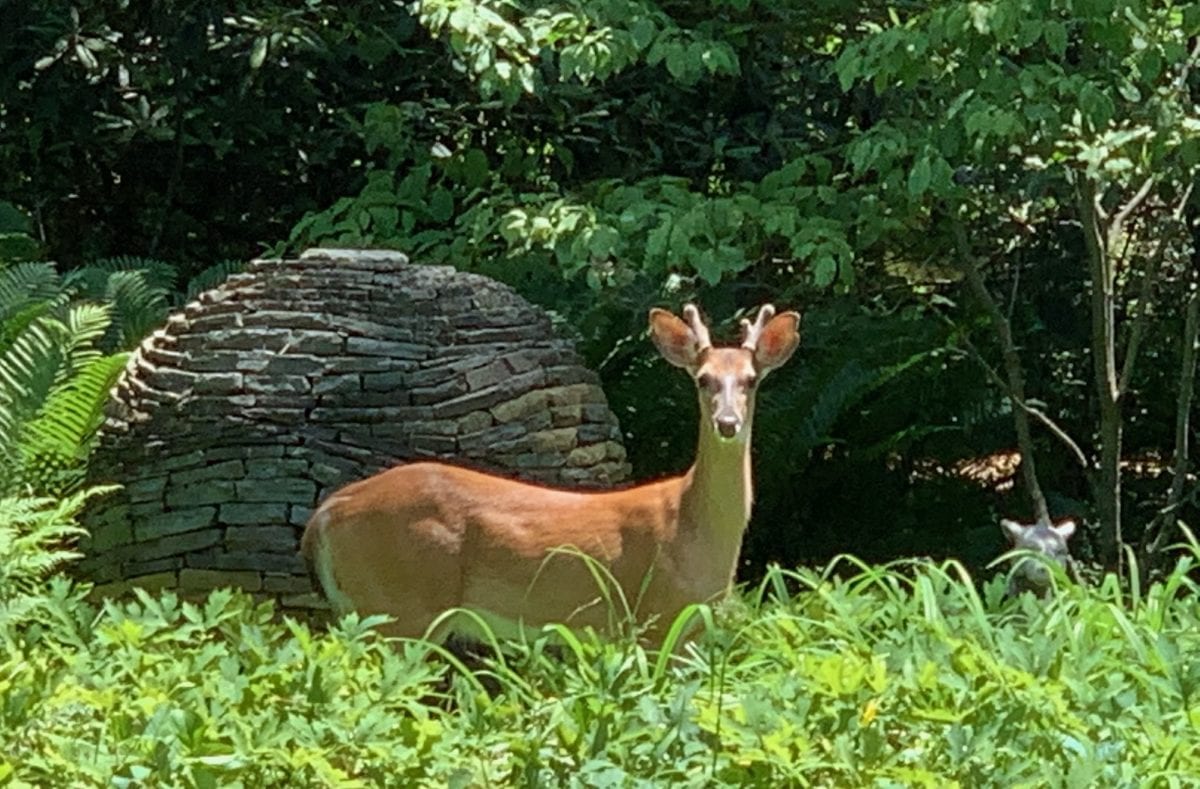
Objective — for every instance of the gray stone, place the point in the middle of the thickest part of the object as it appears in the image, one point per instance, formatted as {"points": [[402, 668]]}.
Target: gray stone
{"points": [[242, 513], [271, 539], [177, 544], [229, 469], [285, 319], [174, 522], [439, 393], [338, 384], [320, 343], [359, 364], [137, 569], [107, 536], [294, 364], [257, 561], [300, 376], [483, 377], [367, 346], [281, 467], [286, 490], [277, 384], [433, 445], [146, 489], [375, 259], [214, 383], [197, 493], [384, 382], [204, 580], [279, 583]]}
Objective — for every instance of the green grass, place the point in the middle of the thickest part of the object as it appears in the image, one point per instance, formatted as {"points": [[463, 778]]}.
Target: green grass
{"points": [[904, 675]]}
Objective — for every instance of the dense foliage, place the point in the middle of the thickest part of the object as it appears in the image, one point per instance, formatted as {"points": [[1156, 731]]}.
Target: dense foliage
{"points": [[955, 193], [903, 675], [984, 209]]}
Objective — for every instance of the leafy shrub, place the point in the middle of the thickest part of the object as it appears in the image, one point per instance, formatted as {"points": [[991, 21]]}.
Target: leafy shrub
{"points": [[898, 675]]}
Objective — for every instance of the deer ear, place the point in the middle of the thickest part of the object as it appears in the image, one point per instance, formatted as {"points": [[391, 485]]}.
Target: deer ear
{"points": [[1065, 529], [1012, 530], [674, 339], [778, 340]]}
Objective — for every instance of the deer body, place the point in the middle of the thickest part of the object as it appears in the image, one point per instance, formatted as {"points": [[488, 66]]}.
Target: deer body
{"points": [[418, 540]]}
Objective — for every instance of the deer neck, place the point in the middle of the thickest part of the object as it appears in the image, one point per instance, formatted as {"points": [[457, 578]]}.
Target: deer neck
{"points": [[718, 490]]}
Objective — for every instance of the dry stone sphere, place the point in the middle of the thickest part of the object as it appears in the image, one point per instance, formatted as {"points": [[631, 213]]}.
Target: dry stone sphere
{"points": [[299, 376]]}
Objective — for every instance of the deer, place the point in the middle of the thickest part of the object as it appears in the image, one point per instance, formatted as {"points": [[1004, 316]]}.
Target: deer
{"points": [[423, 539], [1049, 540]]}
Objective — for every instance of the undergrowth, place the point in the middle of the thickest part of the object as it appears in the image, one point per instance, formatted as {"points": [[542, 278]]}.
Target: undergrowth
{"points": [[905, 675]]}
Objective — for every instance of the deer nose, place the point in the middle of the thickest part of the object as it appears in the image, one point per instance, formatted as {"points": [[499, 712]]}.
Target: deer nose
{"points": [[728, 425]]}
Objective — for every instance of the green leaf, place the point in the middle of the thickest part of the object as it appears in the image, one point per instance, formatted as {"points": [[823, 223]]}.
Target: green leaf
{"points": [[824, 271], [441, 205], [677, 62], [475, 168], [642, 32], [258, 52], [13, 219], [1191, 19], [919, 177], [18, 246], [1055, 36]]}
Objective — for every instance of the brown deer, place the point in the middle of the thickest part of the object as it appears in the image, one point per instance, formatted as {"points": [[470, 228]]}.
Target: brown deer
{"points": [[419, 540]]}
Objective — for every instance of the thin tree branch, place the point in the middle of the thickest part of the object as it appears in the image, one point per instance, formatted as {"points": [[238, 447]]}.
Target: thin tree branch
{"points": [[1122, 215], [1146, 293], [1160, 526], [1012, 367], [1012, 295], [1047, 421], [1182, 79]]}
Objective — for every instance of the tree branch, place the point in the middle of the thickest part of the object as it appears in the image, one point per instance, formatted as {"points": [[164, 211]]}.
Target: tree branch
{"points": [[1012, 367], [1145, 295], [1160, 526], [1104, 363], [1122, 215], [1047, 421]]}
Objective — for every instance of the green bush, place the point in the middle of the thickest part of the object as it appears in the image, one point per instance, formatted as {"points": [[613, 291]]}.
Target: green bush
{"points": [[905, 675]]}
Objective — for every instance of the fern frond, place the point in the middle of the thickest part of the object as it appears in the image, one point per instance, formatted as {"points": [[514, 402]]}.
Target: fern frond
{"points": [[28, 370], [211, 277], [36, 536], [138, 307], [17, 322], [71, 413], [86, 326], [25, 284], [159, 274]]}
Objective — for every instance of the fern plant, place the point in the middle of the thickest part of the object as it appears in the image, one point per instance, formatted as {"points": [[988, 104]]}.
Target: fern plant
{"points": [[62, 343], [37, 537], [136, 290], [54, 381]]}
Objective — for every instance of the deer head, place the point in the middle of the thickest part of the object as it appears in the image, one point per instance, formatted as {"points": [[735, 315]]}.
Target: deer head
{"points": [[726, 377], [1049, 540]]}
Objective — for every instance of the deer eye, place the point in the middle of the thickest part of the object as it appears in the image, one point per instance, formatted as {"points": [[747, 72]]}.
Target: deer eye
{"points": [[705, 380], [751, 381]]}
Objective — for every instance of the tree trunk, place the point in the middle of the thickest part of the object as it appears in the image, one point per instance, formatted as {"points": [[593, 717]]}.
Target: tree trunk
{"points": [[1104, 363]]}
